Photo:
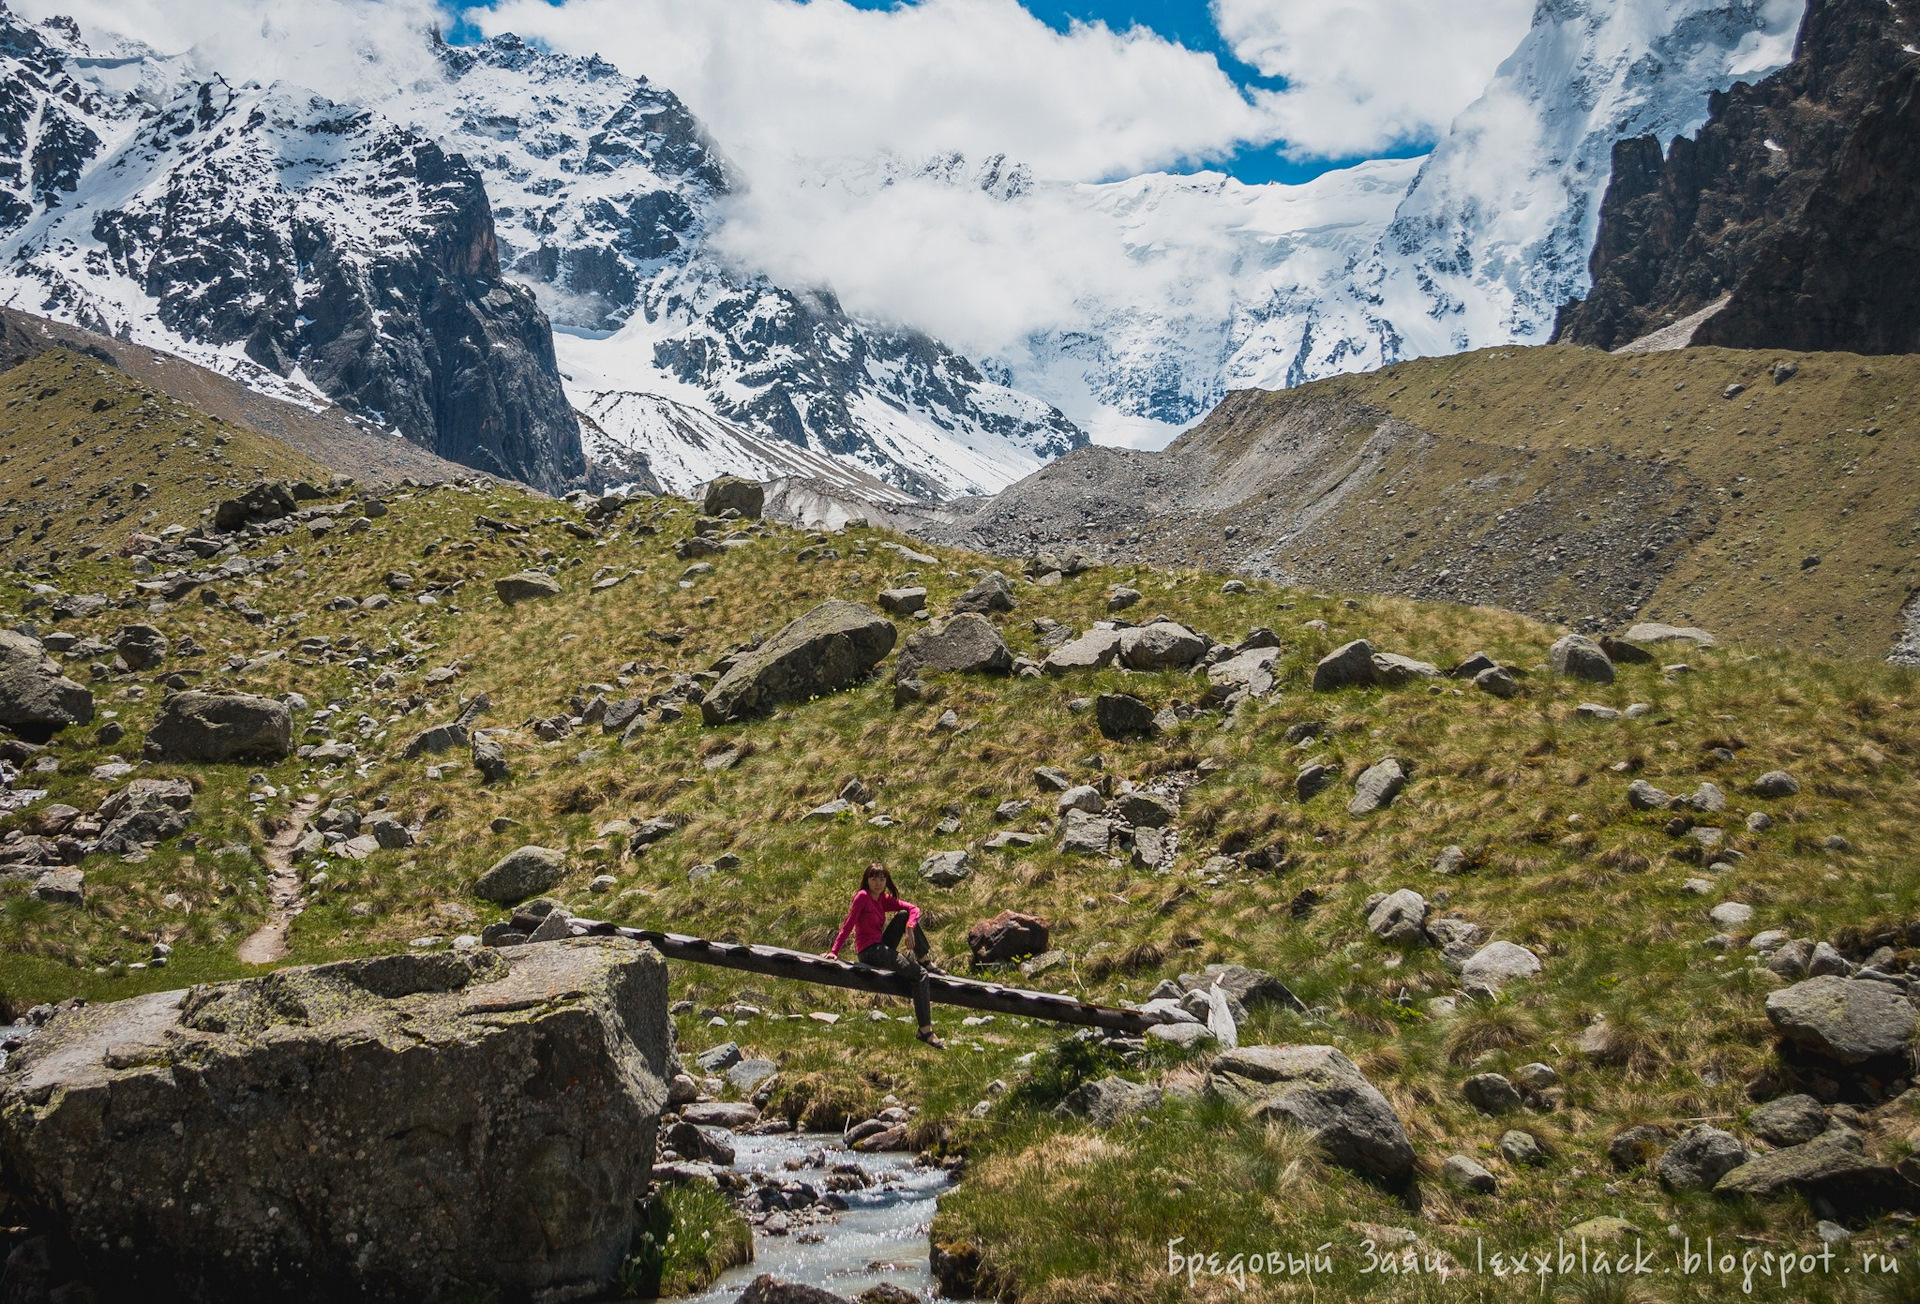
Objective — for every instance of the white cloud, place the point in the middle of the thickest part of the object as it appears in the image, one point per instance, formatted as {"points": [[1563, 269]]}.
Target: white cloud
{"points": [[1365, 75], [345, 49], [826, 80]]}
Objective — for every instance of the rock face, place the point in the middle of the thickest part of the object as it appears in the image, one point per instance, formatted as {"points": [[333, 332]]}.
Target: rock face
{"points": [[1788, 214], [475, 1125], [1845, 1020], [1320, 1090], [965, 644], [210, 728], [35, 698], [834, 646]]}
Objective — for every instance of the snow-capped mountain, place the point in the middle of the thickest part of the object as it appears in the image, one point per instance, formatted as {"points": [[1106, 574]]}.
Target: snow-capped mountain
{"points": [[1476, 245], [300, 244], [605, 192]]}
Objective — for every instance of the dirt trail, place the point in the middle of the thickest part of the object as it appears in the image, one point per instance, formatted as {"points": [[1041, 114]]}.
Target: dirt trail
{"points": [[268, 943]]}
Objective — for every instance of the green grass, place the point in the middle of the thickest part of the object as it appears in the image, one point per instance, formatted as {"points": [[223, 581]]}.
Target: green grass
{"points": [[1535, 796], [690, 1234]]}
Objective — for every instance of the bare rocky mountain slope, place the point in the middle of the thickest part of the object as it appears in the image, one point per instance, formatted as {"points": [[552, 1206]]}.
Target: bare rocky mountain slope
{"points": [[1595, 489], [1790, 214]]}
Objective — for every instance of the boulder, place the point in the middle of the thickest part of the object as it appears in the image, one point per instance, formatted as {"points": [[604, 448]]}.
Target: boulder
{"points": [[267, 500], [1348, 666], [524, 586], [1579, 657], [963, 644], [440, 738], [1399, 917], [35, 698], [1253, 988], [835, 645], [769, 1289], [1245, 674], [1122, 716], [1788, 1121], [1320, 1090], [903, 602], [140, 646], [1392, 670], [1775, 784], [1496, 964], [1699, 1159], [1107, 1101], [733, 493], [1642, 795], [946, 869], [1083, 834], [1163, 645], [1657, 633], [1146, 810], [1833, 1170], [474, 1125], [1843, 1019], [1467, 1175], [1497, 680], [1490, 1093], [1377, 787], [210, 728], [521, 873], [992, 593], [1635, 1147], [1007, 936], [490, 758], [1093, 650]]}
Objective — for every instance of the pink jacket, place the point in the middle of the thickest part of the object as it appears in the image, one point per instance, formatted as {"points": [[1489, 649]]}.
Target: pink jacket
{"points": [[867, 919]]}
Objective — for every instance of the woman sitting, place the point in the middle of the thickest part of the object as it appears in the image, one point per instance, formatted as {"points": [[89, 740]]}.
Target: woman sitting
{"points": [[877, 939]]}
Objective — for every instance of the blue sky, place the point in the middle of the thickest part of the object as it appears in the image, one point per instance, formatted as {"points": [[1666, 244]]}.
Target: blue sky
{"points": [[1188, 22]]}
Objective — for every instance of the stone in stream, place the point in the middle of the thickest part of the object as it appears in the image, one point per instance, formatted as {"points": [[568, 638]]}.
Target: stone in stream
{"points": [[769, 1289], [36, 700], [525, 586], [496, 1109], [1775, 784], [1321, 1091], [521, 873], [210, 728], [833, 646]]}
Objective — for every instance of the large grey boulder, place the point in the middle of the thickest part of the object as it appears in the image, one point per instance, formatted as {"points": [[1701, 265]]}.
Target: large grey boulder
{"points": [[524, 586], [265, 500], [1377, 788], [1399, 917], [1832, 1169], [1496, 964], [835, 645], [1579, 657], [521, 873], [140, 646], [209, 728], [407, 1127], [1245, 674], [1699, 1159], [35, 698], [1251, 987], [1843, 1019], [1320, 1090], [1163, 645], [1348, 666], [963, 644], [1093, 650], [946, 869], [1122, 716], [1789, 1121], [992, 593], [732, 492], [1392, 670]]}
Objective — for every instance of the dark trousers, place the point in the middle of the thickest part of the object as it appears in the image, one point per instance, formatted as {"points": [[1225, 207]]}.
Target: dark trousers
{"points": [[885, 954]]}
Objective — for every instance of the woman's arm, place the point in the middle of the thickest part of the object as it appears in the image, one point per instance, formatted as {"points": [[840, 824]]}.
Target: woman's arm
{"points": [[893, 903], [846, 927]]}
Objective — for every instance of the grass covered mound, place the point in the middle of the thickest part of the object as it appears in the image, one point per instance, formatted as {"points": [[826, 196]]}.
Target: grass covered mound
{"points": [[1648, 1009]]}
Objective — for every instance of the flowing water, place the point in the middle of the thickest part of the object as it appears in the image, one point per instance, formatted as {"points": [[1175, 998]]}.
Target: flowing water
{"points": [[881, 1237]]}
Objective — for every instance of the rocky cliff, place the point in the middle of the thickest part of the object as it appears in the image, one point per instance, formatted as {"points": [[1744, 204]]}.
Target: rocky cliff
{"points": [[278, 235], [1793, 204]]}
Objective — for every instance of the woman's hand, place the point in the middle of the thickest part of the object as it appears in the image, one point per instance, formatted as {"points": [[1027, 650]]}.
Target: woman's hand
{"points": [[829, 955]]}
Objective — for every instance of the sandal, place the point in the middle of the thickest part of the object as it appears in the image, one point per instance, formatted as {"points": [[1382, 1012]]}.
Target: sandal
{"points": [[931, 1037]]}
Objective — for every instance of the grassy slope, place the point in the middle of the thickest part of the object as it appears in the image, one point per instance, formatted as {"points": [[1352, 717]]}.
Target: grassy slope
{"points": [[1783, 472], [1536, 797]]}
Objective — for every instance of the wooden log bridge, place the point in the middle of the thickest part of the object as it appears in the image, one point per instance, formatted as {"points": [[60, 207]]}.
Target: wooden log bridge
{"points": [[801, 966]]}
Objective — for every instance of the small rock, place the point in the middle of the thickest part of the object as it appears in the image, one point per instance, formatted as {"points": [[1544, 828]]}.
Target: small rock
{"points": [[1776, 783], [1699, 1159], [1579, 657], [1520, 1149], [1465, 1174], [946, 869], [1377, 788], [1490, 1093]]}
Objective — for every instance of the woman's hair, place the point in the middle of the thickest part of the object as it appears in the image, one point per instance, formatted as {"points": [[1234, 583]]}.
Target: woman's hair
{"points": [[877, 868]]}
